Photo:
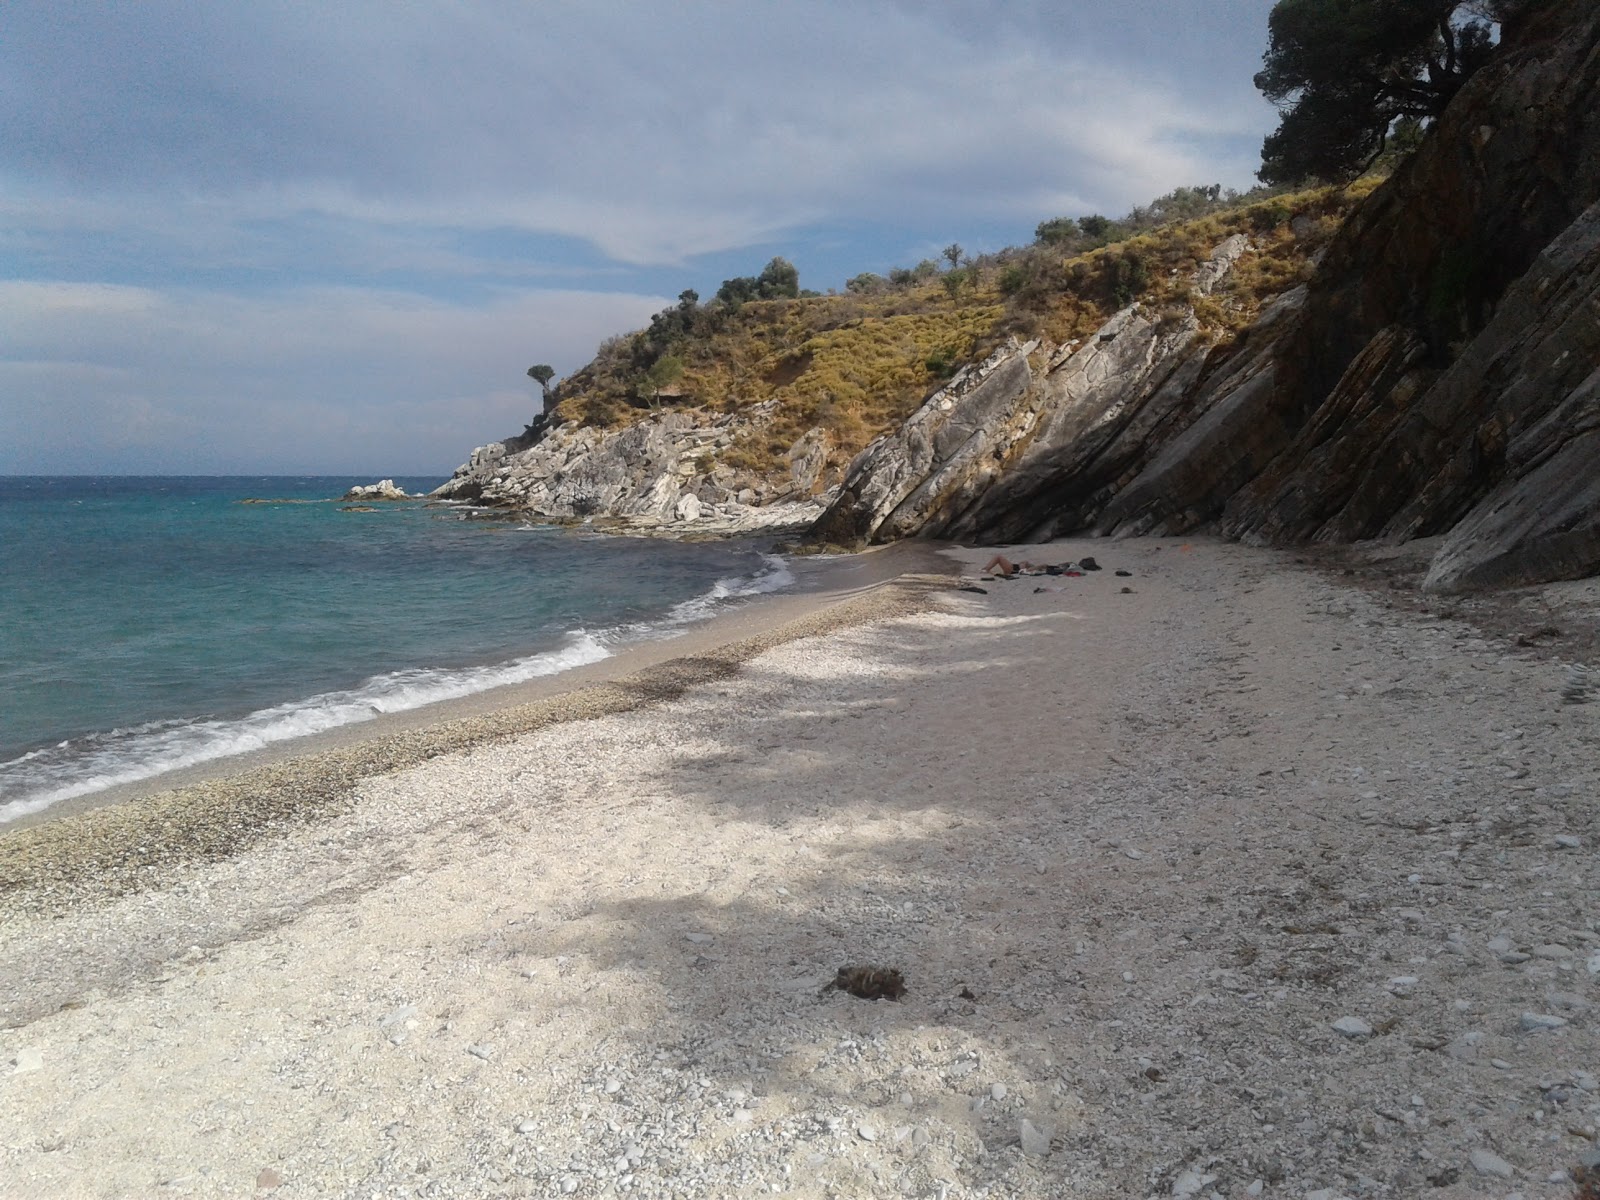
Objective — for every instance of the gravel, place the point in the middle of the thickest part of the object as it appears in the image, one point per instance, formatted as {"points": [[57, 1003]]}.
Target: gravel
{"points": [[883, 795]]}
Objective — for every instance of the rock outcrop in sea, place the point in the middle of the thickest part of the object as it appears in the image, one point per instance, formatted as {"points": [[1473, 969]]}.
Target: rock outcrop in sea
{"points": [[384, 489]]}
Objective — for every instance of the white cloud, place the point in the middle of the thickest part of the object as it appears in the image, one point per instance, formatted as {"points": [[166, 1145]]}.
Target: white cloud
{"points": [[309, 380], [654, 132]]}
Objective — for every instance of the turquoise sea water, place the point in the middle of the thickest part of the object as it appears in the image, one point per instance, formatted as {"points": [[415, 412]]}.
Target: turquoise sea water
{"points": [[151, 623]]}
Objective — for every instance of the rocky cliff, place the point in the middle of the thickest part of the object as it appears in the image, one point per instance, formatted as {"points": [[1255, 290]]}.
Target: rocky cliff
{"points": [[1438, 375], [657, 474]]}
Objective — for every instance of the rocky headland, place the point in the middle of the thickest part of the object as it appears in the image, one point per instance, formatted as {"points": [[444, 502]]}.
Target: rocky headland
{"points": [[1437, 375]]}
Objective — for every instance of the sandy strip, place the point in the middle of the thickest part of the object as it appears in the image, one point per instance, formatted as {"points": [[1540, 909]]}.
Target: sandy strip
{"points": [[145, 835], [1238, 877]]}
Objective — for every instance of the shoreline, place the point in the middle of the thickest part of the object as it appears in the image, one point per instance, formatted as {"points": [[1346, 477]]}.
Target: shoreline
{"points": [[829, 582], [1224, 845], [132, 837]]}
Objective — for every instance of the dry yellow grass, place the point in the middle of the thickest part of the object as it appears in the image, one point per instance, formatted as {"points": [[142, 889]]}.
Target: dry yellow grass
{"points": [[857, 364]]}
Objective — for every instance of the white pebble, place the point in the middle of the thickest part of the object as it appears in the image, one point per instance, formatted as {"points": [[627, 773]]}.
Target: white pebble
{"points": [[998, 1091], [867, 1133], [1352, 1027], [1567, 841], [1533, 1022], [1035, 1141], [1485, 1162]]}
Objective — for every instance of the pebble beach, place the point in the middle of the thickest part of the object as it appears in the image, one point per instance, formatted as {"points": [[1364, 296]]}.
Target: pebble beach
{"points": [[1229, 876]]}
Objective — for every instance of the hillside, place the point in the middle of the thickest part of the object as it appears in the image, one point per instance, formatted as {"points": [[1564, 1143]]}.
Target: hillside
{"points": [[857, 363], [1411, 358], [752, 405]]}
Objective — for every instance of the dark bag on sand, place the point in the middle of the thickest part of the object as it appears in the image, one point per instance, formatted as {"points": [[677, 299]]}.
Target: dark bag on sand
{"points": [[1088, 564]]}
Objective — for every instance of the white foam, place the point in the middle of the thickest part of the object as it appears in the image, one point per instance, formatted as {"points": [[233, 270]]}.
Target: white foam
{"points": [[130, 755], [44, 777]]}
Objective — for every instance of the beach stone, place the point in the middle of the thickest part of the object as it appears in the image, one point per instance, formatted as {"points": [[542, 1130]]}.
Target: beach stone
{"points": [[1352, 1027], [1035, 1141], [1552, 951], [867, 1133], [1567, 841], [1533, 1022], [699, 939], [1485, 1162], [526, 1126], [268, 1180], [998, 1091], [28, 1059], [479, 1050], [1190, 1182], [404, 1013]]}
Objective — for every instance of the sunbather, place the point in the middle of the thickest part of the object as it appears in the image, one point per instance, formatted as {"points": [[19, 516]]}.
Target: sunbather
{"points": [[1001, 565]]}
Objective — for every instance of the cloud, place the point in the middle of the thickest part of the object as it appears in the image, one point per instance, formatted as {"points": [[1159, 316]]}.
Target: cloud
{"points": [[653, 132], [107, 378], [273, 235]]}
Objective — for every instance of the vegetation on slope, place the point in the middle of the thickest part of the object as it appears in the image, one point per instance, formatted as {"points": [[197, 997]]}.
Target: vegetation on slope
{"points": [[858, 362]]}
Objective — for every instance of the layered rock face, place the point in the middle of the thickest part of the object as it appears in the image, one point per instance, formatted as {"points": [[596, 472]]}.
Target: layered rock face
{"points": [[1030, 441], [1437, 376], [657, 474]]}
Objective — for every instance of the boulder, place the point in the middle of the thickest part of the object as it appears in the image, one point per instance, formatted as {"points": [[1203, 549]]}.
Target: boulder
{"points": [[384, 489]]}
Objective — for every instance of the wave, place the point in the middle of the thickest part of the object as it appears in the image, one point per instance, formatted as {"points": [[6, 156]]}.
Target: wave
{"points": [[81, 766]]}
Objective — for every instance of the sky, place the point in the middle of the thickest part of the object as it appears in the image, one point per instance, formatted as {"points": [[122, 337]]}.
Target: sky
{"points": [[294, 238]]}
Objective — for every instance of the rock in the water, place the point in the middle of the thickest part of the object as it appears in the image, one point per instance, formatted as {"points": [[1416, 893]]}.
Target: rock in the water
{"points": [[384, 489]]}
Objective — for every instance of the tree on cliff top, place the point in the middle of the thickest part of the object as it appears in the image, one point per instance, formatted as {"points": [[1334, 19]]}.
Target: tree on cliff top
{"points": [[542, 374], [1342, 72], [778, 281]]}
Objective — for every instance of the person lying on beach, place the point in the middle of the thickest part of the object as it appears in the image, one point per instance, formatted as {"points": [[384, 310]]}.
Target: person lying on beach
{"points": [[1001, 565], [1004, 567]]}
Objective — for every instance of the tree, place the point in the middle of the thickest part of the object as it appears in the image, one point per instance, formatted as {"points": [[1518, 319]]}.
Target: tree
{"points": [[1095, 226], [779, 280], [953, 253], [1342, 72], [542, 374], [664, 373]]}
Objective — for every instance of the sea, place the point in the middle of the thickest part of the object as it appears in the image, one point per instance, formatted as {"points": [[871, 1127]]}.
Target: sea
{"points": [[154, 623]]}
